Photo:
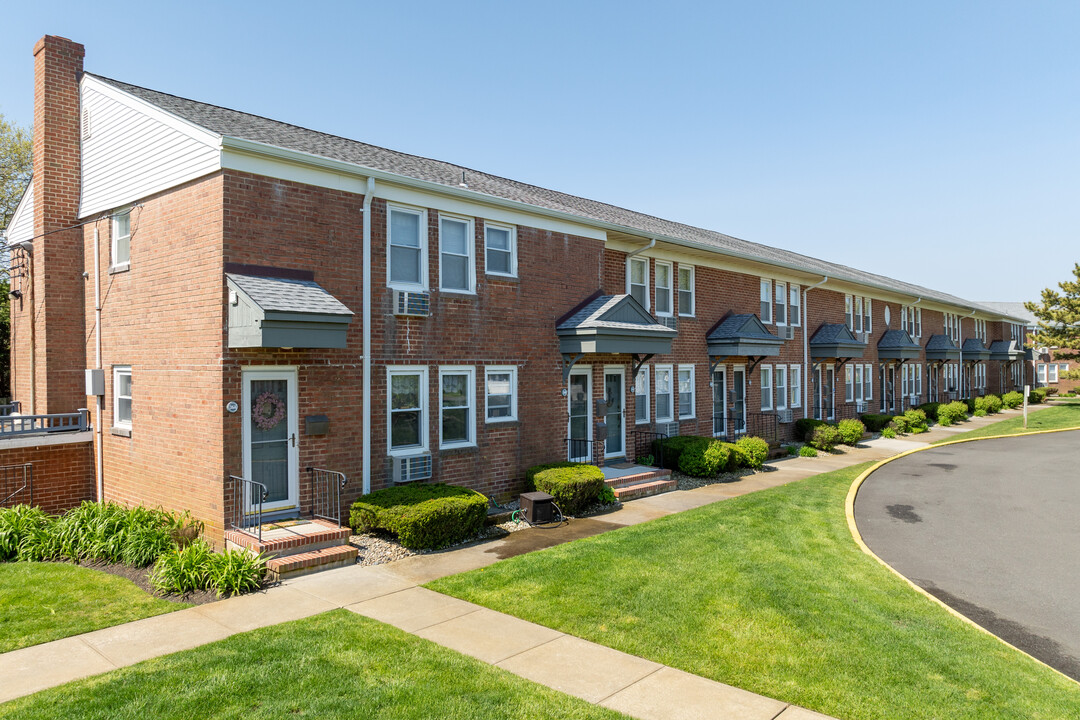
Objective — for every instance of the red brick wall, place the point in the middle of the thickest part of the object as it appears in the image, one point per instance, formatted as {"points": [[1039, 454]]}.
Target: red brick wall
{"points": [[63, 475]]}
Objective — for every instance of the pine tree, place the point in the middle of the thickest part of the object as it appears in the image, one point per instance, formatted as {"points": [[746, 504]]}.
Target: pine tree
{"points": [[1059, 318]]}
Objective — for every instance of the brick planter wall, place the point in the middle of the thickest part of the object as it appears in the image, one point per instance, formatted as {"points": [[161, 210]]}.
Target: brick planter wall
{"points": [[63, 472]]}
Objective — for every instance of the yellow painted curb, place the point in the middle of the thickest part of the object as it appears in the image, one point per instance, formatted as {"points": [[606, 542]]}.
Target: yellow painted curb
{"points": [[849, 512]]}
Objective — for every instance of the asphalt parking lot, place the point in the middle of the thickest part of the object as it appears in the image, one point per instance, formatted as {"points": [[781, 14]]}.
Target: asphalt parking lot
{"points": [[992, 528]]}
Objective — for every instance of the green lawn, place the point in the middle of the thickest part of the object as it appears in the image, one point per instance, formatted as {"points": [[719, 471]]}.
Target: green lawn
{"points": [[1052, 418], [40, 602], [769, 592], [334, 665]]}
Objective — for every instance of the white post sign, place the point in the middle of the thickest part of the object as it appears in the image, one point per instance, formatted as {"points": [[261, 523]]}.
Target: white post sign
{"points": [[1027, 391]]}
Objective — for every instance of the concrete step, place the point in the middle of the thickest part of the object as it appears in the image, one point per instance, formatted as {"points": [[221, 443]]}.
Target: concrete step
{"points": [[638, 478], [290, 540], [304, 563], [645, 489]]}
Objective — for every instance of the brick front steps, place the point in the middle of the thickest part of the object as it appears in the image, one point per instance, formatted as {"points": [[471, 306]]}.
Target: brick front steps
{"points": [[297, 549], [643, 484]]}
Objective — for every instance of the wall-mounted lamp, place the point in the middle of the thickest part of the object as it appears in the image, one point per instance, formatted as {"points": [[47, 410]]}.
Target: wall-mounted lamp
{"points": [[15, 294]]}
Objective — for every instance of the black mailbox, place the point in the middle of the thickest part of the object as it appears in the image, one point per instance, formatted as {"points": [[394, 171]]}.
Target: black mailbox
{"points": [[316, 425]]}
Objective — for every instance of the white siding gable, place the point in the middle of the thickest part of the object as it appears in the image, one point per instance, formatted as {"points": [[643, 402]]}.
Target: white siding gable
{"points": [[21, 226], [132, 149]]}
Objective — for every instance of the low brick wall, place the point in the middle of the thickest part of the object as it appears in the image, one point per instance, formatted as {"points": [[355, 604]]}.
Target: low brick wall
{"points": [[63, 468]]}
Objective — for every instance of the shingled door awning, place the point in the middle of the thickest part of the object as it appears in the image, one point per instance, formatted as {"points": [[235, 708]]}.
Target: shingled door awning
{"points": [[834, 340], [941, 348], [742, 335], [611, 324], [897, 345], [1006, 350], [974, 350], [278, 312]]}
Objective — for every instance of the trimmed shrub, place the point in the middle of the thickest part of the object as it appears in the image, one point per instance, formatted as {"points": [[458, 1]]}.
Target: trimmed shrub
{"points": [[970, 403], [948, 413], [875, 423], [988, 405], [427, 515], [930, 409], [720, 454], [980, 413], [1037, 395], [916, 420], [574, 488], [804, 428], [995, 404], [888, 433], [670, 449], [692, 460], [607, 495], [751, 452], [851, 431], [1012, 399], [807, 451], [900, 424], [792, 450], [825, 437]]}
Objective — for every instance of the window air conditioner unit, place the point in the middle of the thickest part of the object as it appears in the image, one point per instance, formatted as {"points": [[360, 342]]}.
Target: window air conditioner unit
{"points": [[670, 429], [862, 336], [411, 303], [914, 400], [411, 468], [670, 322], [787, 332], [860, 406], [784, 416]]}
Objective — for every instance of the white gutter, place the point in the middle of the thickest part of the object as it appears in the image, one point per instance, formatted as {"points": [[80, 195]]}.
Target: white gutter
{"points": [[643, 248], [299, 158], [806, 344], [99, 469], [366, 320]]}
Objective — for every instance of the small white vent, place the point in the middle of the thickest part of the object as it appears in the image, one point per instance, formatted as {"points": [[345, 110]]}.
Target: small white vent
{"points": [[86, 124], [415, 304], [412, 468], [784, 416]]}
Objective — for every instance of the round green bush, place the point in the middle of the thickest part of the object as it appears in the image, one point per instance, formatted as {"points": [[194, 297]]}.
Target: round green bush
{"points": [[1012, 399], [825, 437], [807, 451], [980, 413], [888, 433], [851, 431], [804, 428], [432, 515], [874, 422], [899, 424], [752, 452], [916, 419], [692, 459]]}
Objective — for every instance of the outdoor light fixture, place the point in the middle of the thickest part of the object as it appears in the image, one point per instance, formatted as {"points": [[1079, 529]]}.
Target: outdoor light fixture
{"points": [[15, 294]]}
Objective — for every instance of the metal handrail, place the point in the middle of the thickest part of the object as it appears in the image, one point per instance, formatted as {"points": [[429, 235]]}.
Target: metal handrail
{"points": [[11, 408], [21, 475], [42, 424], [647, 438], [581, 448], [326, 487], [248, 498]]}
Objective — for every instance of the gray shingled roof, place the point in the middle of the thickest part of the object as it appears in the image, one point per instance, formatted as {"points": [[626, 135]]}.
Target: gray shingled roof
{"points": [[745, 326], [1014, 309], [232, 123], [940, 342], [289, 295], [896, 339], [974, 346], [834, 333], [592, 314]]}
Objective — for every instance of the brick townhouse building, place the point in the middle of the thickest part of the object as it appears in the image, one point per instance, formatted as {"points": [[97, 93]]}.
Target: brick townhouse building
{"points": [[261, 299]]}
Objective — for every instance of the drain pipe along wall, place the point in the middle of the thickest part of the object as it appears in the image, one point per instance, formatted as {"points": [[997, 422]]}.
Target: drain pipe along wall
{"points": [[366, 319], [806, 345]]}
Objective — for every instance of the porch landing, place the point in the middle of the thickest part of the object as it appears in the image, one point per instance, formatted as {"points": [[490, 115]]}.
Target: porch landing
{"points": [[297, 547], [630, 481]]}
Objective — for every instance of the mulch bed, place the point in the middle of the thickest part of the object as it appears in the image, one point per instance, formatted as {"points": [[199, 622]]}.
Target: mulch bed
{"points": [[140, 576]]}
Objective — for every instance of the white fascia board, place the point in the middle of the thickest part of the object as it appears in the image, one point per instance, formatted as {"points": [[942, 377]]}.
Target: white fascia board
{"points": [[197, 132], [20, 220], [234, 148]]}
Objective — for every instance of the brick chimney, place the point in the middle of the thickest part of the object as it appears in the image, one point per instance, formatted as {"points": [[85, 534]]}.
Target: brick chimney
{"points": [[57, 304]]}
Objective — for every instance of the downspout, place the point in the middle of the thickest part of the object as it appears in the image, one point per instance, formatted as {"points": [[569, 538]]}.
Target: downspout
{"points": [[806, 344], [643, 248], [99, 469], [33, 328], [960, 331], [366, 319]]}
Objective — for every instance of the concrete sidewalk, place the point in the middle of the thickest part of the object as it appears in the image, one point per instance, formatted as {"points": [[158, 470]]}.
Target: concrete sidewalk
{"points": [[390, 593]]}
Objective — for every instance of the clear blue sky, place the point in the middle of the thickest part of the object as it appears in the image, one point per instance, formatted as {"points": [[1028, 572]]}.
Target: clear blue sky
{"points": [[936, 142]]}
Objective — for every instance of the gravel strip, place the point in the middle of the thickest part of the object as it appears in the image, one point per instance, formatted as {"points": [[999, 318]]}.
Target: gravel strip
{"points": [[686, 482]]}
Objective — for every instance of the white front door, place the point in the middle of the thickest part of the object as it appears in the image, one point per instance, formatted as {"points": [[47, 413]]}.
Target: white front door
{"points": [[615, 396], [271, 455]]}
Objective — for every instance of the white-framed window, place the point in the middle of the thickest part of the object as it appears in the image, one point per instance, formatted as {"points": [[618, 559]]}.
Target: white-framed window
{"points": [[500, 249], [795, 381], [664, 394], [858, 383], [686, 392], [457, 403], [766, 301], [980, 329], [1041, 372], [952, 326], [868, 315], [868, 382], [1052, 368], [641, 396], [766, 387], [918, 380], [457, 270], [686, 290], [121, 239], [781, 387], [407, 402], [795, 306], [905, 370], [849, 383], [918, 322], [904, 321], [858, 315], [407, 238], [500, 393], [663, 288], [781, 304], [849, 318], [122, 396], [637, 280]]}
